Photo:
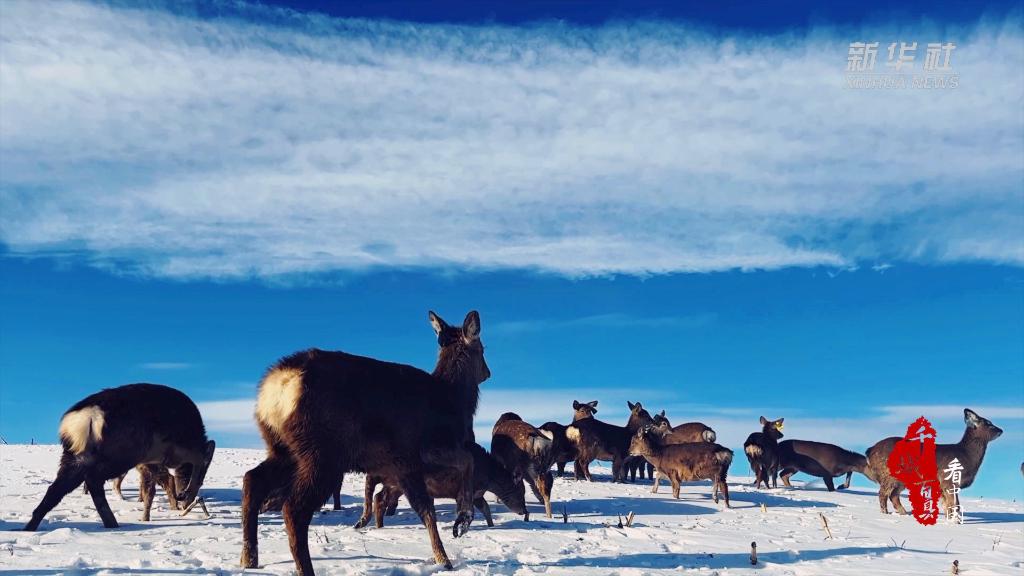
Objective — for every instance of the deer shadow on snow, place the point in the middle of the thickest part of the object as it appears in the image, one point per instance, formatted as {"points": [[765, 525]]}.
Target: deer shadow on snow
{"points": [[721, 561]]}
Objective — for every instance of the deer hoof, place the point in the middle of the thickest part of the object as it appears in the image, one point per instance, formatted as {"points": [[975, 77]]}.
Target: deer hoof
{"points": [[249, 559], [361, 523], [461, 525]]}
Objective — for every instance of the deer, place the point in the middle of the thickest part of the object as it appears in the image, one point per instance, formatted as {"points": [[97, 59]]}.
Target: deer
{"points": [[161, 475], [761, 449], [684, 462], [825, 461], [970, 451], [107, 433], [683, 433], [526, 452], [597, 440], [562, 449], [488, 476], [323, 414]]}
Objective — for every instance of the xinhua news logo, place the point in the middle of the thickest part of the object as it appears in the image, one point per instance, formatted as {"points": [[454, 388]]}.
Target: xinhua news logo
{"points": [[899, 72]]}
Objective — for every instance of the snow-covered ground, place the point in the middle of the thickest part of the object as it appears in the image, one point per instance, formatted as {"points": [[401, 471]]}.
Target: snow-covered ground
{"points": [[691, 535]]}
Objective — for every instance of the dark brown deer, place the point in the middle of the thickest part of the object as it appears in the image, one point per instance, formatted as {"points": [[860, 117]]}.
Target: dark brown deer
{"points": [[526, 452], [111, 431], [826, 461], [762, 450], [323, 413], [597, 440], [681, 434], [488, 476], [970, 451], [562, 449], [685, 462]]}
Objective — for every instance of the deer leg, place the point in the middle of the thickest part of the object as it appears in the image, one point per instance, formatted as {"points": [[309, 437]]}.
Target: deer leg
{"points": [[484, 509], [99, 499], [618, 474], [381, 502], [337, 497], [271, 475], [117, 486], [846, 484], [829, 483], [368, 502], [298, 513], [416, 492], [725, 488], [786, 473], [461, 460], [883, 498], [69, 476], [147, 489], [542, 489], [657, 478], [675, 486], [561, 468], [894, 497]]}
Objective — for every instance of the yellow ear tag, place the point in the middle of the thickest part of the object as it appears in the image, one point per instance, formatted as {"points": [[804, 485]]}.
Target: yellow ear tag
{"points": [[779, 426]]}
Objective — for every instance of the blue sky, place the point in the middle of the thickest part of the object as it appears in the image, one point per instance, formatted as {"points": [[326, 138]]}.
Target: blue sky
{"points": [[681, 206]]}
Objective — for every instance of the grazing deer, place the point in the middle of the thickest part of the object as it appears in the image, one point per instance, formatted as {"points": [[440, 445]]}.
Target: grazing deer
{"points": [[526, 452], [160, 475], [562, 449], [323, 413], [111, 431], [597, 440], [761, 449], [970, 451], [685, 462], [825, 461], [488, 476]]}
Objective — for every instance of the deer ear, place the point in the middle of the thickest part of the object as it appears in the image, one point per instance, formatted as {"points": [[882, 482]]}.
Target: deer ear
{"points": [[576, 405], [438, 324], [593, 404], [210, 447], [971, 418], [763, 420], [471, 326], [662, 414]]}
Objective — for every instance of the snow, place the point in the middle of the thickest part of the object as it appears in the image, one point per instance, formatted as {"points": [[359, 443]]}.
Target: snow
{"points": [[691, 535]]}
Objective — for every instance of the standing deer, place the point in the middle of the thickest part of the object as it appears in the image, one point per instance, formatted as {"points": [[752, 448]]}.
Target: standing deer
{"points": [[323, 413], [526, 452], [681, 434], [562, 449], [597, 440], [685, 462], [970, 451], [825, 461], [762, 450], [111, 431]]}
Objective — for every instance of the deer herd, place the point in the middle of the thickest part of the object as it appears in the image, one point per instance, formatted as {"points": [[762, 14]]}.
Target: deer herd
{"points": [[323, 414]]}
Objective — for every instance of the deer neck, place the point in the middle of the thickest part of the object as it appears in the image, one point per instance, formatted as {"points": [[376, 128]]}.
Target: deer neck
{"points": [[973, 448]]}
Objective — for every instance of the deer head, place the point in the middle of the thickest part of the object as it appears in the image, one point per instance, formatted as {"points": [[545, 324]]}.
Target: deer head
{"points": [[461, 358], [583, 410], [772, 428], [980, 428], [638, 417]]}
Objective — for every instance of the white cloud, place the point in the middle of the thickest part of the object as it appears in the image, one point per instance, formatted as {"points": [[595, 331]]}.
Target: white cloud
{"points": [[152, 143]]}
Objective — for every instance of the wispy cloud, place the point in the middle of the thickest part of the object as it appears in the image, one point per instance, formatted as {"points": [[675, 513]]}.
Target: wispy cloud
{"points": [[165, 365], [270, 144]]}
